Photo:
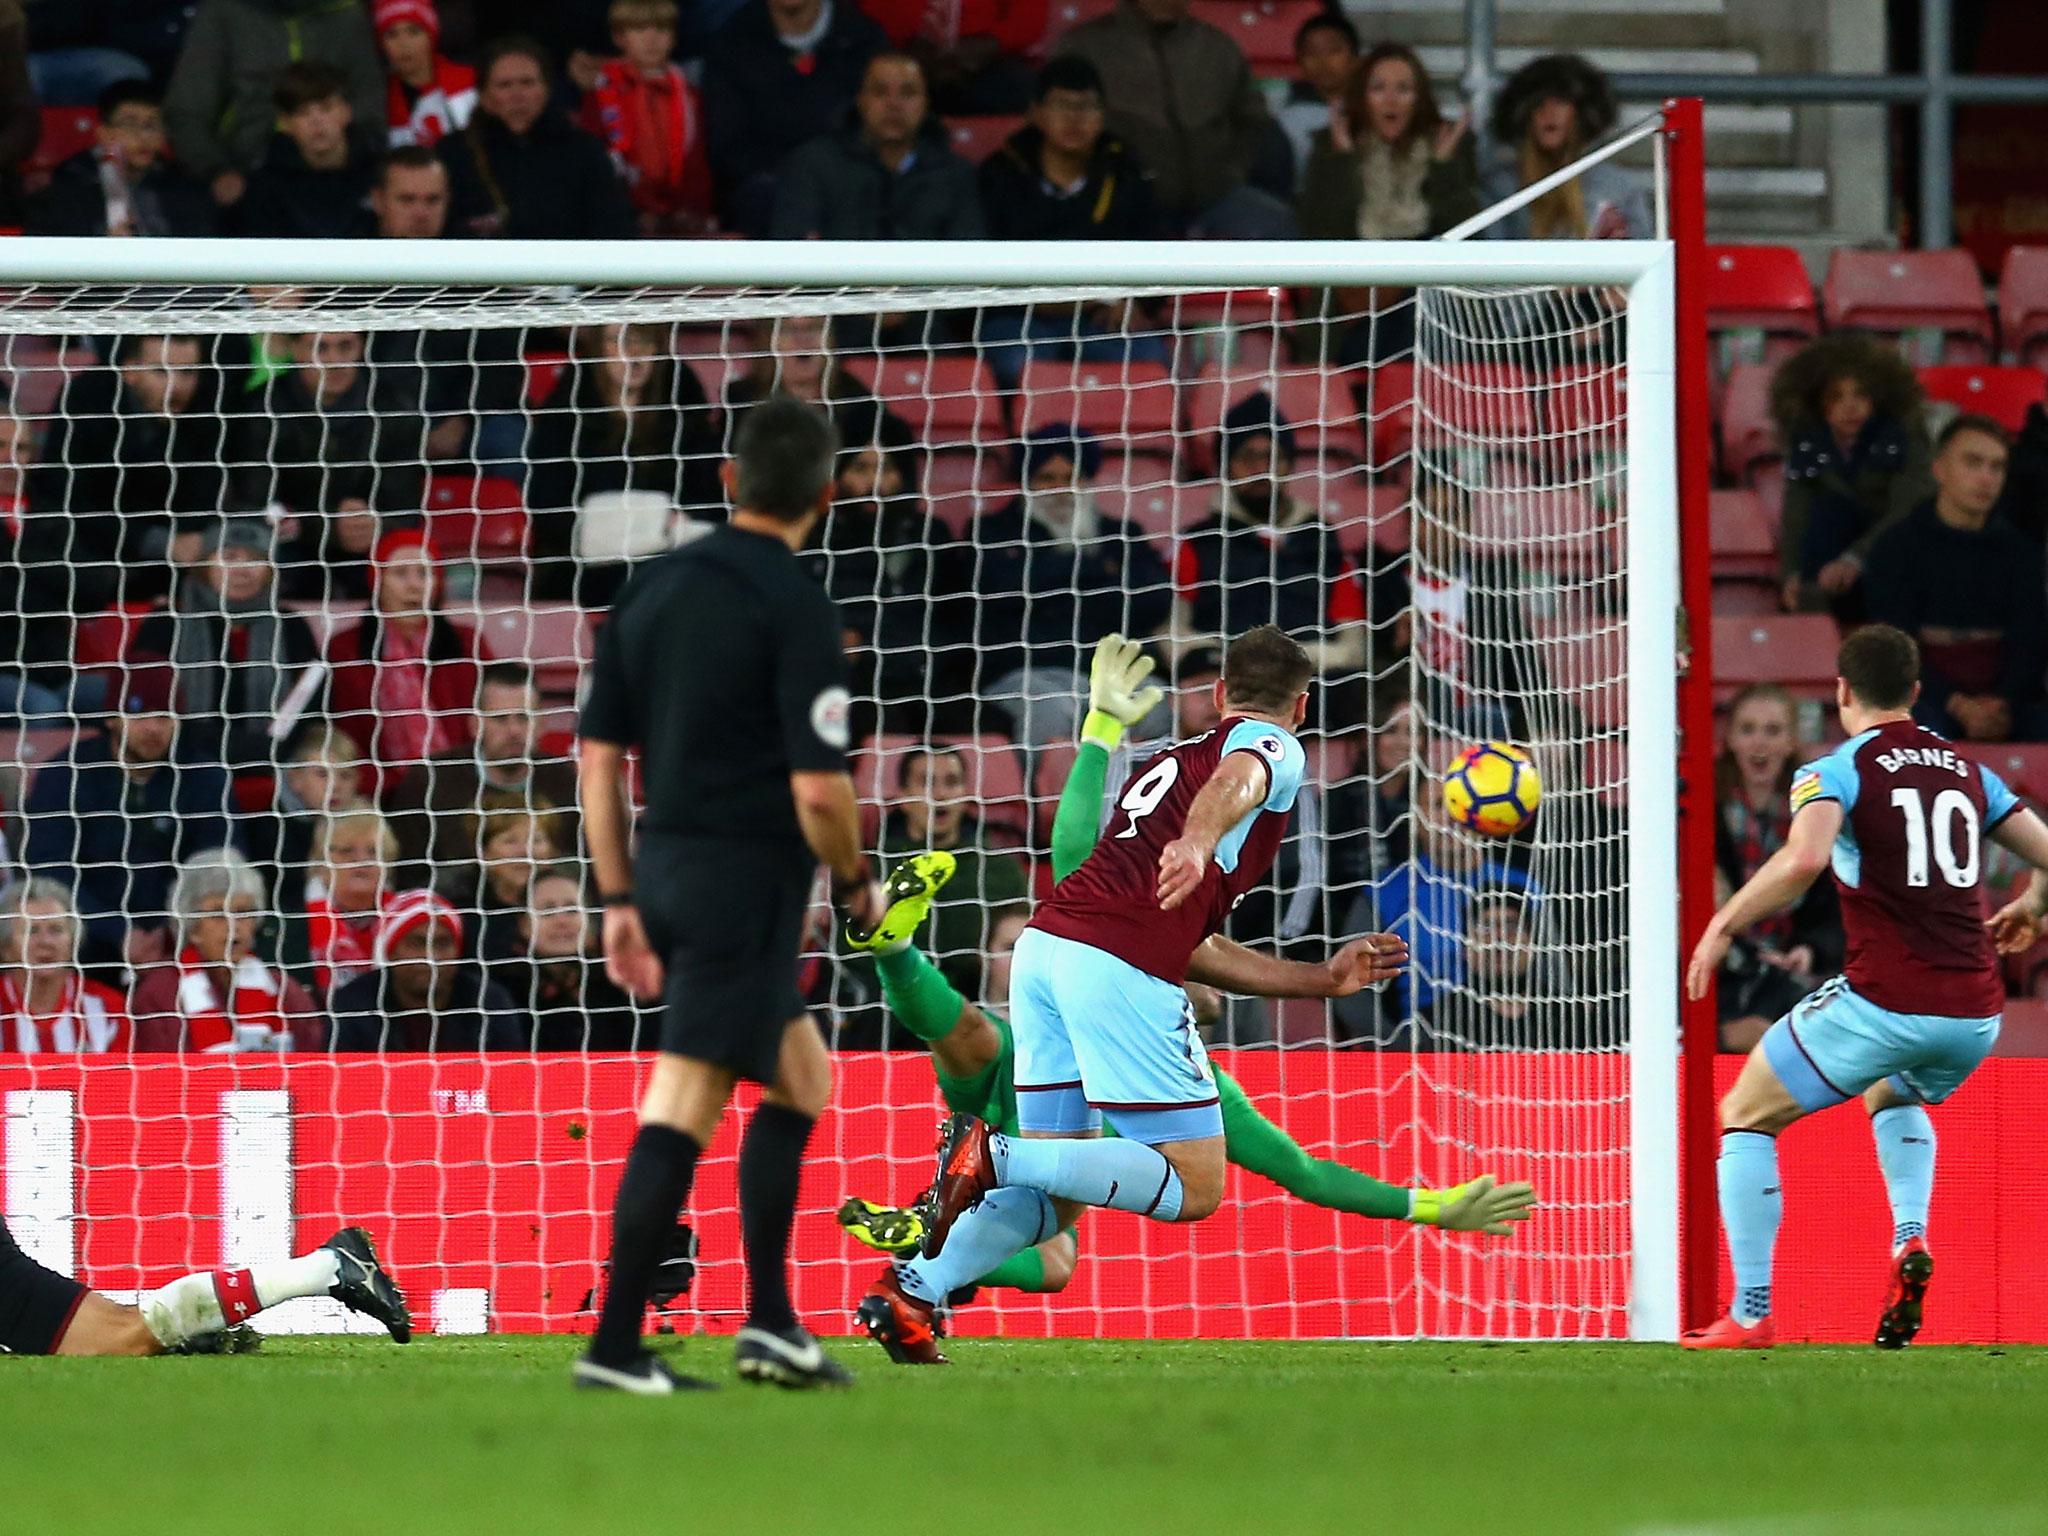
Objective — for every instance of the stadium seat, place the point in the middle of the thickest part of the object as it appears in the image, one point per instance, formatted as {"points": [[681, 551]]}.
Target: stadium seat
{"points": [[1795, 649], [556, 638], [1363, 511], [1458, 401], [2023, 765], [477, 517], [1749, 438], [1560, 528], [949, 402], [1934, 299], [542, 369], [1740, 541], [1586, 406], [1263, 29], [1055, 761], [1062, 16], [1760, 288], [2024, 1029], [1122, 402], [1743, 598], [1588, 665], [65, 131], [101, 639], [974, 139], [953, 484], [2023, 304], [1162, 509], [2003, 394]]}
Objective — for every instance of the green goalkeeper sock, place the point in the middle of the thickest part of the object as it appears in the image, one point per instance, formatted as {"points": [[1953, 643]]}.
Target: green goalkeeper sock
{"points": [[1023, 1271], [924, 1002]]}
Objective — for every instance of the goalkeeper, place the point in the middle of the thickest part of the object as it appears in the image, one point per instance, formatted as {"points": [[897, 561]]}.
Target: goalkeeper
{"points": [[972, 1051]]}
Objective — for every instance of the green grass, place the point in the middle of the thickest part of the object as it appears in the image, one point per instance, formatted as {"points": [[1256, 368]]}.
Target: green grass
{"points": [[456, 1436]]}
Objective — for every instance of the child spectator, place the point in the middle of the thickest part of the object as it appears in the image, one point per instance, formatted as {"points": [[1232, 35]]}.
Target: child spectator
{"points": [[123, 185], [650, 118], [404, 683], [1848, 410], [1326, 53], [1551, 111], [490, 886], [46, 1002], [318, 779], [558, 975], [217, 995], [427, 95], [219, 107], [521, 170], [314, 182], [891, 176], [778, 74], [1783, 957], [347, 894], [972, 50], [1062, 176], [420, 994]]}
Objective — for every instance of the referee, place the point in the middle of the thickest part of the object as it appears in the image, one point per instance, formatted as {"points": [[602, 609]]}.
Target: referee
{"points": [[722, 665]]}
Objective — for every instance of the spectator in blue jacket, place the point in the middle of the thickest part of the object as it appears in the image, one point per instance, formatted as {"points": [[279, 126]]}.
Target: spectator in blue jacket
{"points": [[113, 818]]}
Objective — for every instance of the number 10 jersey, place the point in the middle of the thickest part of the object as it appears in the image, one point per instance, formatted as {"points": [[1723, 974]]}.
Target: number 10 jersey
{"points": [[1111, 902], [1910, 861]]}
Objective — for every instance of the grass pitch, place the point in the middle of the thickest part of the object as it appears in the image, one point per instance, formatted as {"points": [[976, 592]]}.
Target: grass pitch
{"points": [[458, 1436]]}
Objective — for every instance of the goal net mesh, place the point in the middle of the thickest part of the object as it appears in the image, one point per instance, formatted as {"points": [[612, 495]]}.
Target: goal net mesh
{"points": [[313, 526]]}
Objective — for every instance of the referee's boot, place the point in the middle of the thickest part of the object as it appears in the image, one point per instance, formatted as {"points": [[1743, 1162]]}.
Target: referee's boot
{"points": [[364, 1285], [645, 1375], [786, 1357], [911, 888]]}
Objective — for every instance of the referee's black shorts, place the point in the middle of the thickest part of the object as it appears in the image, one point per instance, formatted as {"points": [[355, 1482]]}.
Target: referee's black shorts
{"points": [[36, 1304], [726, 916]]}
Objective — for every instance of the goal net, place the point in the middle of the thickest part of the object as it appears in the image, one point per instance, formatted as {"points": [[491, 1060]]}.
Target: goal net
{"points": [[304, 561]]}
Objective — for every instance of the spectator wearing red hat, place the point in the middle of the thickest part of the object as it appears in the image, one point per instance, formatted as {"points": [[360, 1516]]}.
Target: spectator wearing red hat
{"points": [[650, 118], [422, 995], [112, 818], [405, 679], [427, 95]]}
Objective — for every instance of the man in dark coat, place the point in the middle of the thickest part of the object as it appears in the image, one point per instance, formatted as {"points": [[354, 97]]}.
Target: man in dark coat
{"points": [[422, 995], [314, 182], [123, 185]]}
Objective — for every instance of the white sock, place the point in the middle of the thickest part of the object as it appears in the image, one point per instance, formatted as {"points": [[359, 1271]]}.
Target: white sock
{"points": [[310, 1274], [192, 1304], [185, 1308]]}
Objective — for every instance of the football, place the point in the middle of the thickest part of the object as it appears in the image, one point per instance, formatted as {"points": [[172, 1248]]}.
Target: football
{"points": [[1492, 788]]}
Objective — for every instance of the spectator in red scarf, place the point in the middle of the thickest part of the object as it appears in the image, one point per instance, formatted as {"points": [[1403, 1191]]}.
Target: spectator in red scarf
{"points": [[650, 118], [46, 1002], [347, 896], [405, 678], [217, 996], [422, 995], [427, 95]]}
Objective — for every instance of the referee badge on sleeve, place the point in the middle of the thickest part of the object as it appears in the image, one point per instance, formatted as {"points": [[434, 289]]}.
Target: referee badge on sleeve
{"points": [[829, 712]]}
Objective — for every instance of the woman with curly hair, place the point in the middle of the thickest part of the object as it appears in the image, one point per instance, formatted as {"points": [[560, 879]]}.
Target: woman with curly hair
{"points": [[1551, 111], [1848, 411]]}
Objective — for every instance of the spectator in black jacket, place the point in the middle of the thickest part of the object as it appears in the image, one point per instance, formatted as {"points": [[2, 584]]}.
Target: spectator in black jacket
{"points": [[314, 182], [1064, 177], [132, 471], [1966, 584], [1053, 575], [123, 185], [243, 663], [422, 995], [778, 74], [793, 355], [113, 817], [20, 124], [521, 170], [558, 976], [889, 176]]}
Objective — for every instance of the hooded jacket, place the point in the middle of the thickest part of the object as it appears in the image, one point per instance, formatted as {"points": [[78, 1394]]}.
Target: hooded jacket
{"points": [[1115, 202], [290, 200], [553, 182], [762, 98], [837, 188]]}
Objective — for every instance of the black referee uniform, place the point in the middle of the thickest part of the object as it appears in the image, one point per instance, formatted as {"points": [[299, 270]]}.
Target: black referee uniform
{"points": [[722, 663], [36, 1304]]}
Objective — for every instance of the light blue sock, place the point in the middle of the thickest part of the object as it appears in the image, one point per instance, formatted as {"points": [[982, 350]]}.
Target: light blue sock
{"points": [[1905, 1151], [1006, 1222], [1123, 1175], [1751, 1206]]}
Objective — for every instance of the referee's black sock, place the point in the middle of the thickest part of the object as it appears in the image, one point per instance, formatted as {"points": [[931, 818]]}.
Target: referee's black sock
{"points": [[771, 1162], [651, 1195]]}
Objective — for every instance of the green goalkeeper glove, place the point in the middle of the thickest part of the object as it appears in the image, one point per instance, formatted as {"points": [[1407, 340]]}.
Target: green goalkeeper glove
{"points": [[1117, 697], [1479, 1205]]}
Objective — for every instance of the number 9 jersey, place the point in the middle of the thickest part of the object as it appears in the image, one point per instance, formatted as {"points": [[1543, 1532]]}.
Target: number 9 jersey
{"points": [[1111, 902], [1909, 860]]}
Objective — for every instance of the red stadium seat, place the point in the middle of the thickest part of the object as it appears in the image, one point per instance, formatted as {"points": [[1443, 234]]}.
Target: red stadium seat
{"points": [[1588, 665], [1586, 404], [1264, 29], [556, 638], [1245, 307], [1062, 16], [2003, 394], [995, 775], [1939, 293], [953, 485], [2023, 304], [949, 402], [1122, 402], [1560, 528], [1494, 403], [1760, 288], [65, 131], [1743, 598], [974, 139], [1162, 509], [2024, 1029], [475, 517], [2023, 765], [1796, 649], [1749, 438], [1364, 512], [542, 369], [1741, 541]]}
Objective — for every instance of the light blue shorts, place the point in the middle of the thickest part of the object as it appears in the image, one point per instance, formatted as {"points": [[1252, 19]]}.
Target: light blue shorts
{"points": [[1097, 1036], [1835, 1044]]}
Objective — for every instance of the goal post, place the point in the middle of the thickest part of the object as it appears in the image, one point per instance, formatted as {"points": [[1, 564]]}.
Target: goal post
{"points": [[1523, 455]]}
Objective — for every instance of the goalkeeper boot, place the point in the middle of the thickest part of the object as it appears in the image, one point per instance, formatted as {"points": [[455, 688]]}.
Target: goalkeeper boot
{"points": [[967, 1171], [884, 1228], [786, 1357], [1727, 1333], [364, 1285], [907, 1329], [1912, 1268], [645, 1375], [911, 888]]}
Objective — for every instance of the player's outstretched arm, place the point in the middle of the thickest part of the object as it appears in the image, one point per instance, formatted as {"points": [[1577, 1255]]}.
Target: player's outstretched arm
{"points": [[2016, 926], [1231, 967], [1118, 698], [1782, 880]]}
